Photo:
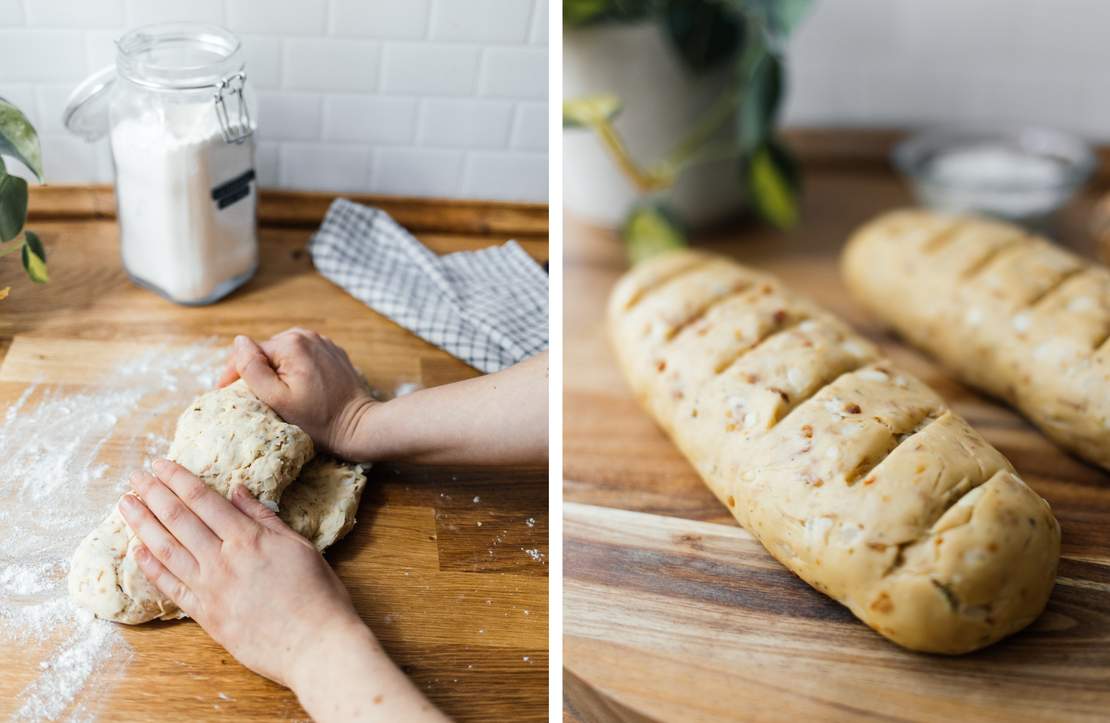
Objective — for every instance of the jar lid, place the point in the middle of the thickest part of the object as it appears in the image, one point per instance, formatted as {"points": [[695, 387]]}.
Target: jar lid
{"points": [[86, 112]]}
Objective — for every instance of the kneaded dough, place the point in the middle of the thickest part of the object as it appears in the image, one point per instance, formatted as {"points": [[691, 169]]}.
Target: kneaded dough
{"points": [[320, 506], [225, 437], [102, 577], [229, 437]]}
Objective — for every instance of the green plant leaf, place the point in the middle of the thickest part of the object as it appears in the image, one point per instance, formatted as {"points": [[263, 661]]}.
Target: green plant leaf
{"points": [[34, 258], [577, 13], [703, 33], [13, 206], [772, 179], [19, 139], [589, 110], [32, 239], [583, 12], [776, 18], [760, 107], [650, 230], [783, 16]]}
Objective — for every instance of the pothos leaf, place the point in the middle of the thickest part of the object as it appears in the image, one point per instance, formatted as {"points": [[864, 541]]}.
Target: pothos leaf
{"points": [[762, 96], [650, 230], [703, 33], [778, 18], [13, 206], [784, 15], [32, 239], [588, 110], [18, 138], [581, 12], [586, 12], [34, 258], [772, 180]]}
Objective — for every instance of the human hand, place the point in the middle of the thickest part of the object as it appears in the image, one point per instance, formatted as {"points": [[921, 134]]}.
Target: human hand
{"points": [[309, 381], [259, 589]]}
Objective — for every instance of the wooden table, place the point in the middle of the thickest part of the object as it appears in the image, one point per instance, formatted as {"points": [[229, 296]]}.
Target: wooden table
{"points": [[457, 603], [673, 612]]}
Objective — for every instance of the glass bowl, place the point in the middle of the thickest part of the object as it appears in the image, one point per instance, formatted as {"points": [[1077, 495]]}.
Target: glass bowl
{"points": [[1022, 175]]}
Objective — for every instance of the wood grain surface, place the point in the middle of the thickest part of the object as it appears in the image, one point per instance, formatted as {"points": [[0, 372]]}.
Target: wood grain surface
{"points": [[673, 612], [445, 582], [305, 209]]}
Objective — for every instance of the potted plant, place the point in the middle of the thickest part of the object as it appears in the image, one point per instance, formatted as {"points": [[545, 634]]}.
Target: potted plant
{"points": [[19, 140], [693, 85]]}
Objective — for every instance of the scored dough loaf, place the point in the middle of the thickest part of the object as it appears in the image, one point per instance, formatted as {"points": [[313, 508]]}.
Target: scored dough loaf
{"points": [[853, 474], [1010, 313], [225, 437]]}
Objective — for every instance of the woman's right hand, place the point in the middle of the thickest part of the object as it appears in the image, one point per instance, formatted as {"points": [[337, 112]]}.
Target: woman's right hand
{"points": [[309, 381]]}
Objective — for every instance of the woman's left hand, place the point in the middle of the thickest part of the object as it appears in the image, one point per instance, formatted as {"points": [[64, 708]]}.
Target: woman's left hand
{"points": [[259, 589]]}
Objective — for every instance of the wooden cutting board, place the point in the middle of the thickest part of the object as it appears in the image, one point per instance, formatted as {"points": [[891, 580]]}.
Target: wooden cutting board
{"points": [[673, 612], [438, 564]]}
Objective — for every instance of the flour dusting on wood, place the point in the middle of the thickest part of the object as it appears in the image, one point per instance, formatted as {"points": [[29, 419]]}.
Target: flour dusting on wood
{"points": [[56, 484]]}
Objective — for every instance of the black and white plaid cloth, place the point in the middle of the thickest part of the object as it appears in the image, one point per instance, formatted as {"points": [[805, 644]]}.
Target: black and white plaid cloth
{"points": [[487, 307]]}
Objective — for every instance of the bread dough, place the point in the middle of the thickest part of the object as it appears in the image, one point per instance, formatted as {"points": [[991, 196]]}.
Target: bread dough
{"points": [[1011, 313], [321, 504], [226, 437], [102, 577], [229, 437], [853, 474]]}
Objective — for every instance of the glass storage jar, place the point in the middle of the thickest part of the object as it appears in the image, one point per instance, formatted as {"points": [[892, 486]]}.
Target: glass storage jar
{"points": [[179, 119]]}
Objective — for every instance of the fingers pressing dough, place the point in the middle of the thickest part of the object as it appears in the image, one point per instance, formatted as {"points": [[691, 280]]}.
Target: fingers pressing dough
{"points": [[226, 437]]}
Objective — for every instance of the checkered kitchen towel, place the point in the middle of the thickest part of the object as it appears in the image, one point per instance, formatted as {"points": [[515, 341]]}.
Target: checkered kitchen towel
{"points": [[487, 307]]}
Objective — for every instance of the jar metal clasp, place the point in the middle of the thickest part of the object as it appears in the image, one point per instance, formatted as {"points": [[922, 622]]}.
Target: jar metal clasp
{"points": [[238, 129]]}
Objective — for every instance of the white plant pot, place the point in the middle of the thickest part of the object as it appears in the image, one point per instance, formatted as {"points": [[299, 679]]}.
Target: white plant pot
{"points": [[662, 101]]}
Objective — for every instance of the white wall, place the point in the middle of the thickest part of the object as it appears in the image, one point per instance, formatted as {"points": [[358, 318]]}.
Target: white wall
{"points": [[916, 62], [411, 97]]}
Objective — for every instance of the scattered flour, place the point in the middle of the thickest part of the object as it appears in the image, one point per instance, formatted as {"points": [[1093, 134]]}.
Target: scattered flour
{"points": [[54, 488]]}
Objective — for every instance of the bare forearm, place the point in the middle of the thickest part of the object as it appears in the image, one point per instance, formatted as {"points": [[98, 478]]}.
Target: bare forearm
{"points": [[354, 680], [497, 419]]}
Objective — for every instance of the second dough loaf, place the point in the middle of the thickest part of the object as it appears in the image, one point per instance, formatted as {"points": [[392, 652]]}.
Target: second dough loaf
{"points": [[1010, 313], [855, 475]]}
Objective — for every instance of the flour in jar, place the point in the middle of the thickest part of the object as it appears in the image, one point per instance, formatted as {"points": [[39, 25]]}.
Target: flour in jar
{"points": [[186, 201]]}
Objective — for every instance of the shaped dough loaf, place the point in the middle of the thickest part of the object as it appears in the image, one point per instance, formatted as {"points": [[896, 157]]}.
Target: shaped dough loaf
{"points": [[853, 474], [225, 437], [1010, 313]]}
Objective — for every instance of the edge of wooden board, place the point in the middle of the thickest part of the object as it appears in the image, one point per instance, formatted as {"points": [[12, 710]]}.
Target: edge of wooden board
{"points": [[870, 148], [304, 208]]}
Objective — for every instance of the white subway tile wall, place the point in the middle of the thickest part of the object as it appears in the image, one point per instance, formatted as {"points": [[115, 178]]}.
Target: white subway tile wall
{"points": [[530, 127], [67, 14], [444, 98], [967, 62]]}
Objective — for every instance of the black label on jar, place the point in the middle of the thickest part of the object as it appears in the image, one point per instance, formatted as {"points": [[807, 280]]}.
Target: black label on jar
{"points": [[234, 190]]}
